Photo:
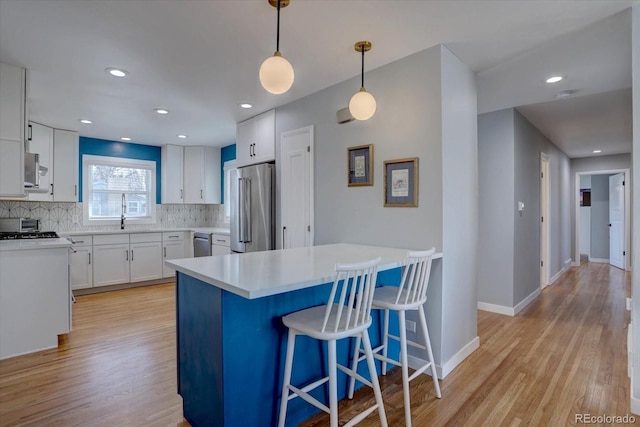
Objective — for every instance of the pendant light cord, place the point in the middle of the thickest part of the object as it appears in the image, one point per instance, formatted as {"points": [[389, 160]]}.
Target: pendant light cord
{"points": [[278, 30], [362, 81]]}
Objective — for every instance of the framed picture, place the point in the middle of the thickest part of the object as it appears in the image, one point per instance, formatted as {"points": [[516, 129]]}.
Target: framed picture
{"points": [[401, 183], [359, 165]]}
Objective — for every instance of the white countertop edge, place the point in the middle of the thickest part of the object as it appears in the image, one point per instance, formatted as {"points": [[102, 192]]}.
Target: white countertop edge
{"points": [[216, 230], [275, 290], [31, 244]]}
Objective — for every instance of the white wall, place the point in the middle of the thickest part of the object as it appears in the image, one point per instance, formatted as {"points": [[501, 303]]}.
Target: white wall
{"points": [[426, 108]]}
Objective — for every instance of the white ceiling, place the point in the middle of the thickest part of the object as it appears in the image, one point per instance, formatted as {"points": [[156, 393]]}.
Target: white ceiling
{"points": [[200, 59]]}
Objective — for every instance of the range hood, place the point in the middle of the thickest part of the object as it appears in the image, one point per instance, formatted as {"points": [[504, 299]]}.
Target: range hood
{"points": [[32, 173]]}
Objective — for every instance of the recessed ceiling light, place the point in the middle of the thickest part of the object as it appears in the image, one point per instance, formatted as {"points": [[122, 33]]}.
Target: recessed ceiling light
{"points": [[117, 72], [597, 151], [554, 79], [124, 138], [182, 136], [246, 105], [161, 111], [86, 121]]}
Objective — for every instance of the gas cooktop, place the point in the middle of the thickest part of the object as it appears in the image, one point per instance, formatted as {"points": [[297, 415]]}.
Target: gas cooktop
{"points": [[10, 235]]}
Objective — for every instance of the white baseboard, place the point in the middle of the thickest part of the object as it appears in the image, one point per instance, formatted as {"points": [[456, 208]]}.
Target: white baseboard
{"points": [[509, 311], [518, 308], [449, 365], [575, 264], [601, 260], [567, 263], [557, 275], [494, 308], [635, 402]]}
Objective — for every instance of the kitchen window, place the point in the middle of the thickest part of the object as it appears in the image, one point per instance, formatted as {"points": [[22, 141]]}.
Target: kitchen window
{"points": [[114, 186]]}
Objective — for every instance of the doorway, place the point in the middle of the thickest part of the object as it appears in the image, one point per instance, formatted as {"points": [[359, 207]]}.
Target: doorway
{"points": [[602, 228], [544, 220]]}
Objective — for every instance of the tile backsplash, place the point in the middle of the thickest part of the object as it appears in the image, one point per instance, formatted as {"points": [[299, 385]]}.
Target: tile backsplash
{"points": [[61, 217]]}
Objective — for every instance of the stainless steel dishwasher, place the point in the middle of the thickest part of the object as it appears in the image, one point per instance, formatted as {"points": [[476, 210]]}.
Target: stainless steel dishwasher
{"points": [[201, 244]]}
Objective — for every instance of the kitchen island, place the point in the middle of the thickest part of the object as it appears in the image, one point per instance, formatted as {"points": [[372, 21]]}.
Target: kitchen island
{"points": [[230, 338]]}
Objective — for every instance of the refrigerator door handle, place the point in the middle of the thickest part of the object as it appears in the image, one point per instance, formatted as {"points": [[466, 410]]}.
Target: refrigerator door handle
{"points": [[244, 209]]}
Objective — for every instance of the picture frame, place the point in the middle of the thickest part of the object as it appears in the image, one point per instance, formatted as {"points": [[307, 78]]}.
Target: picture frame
{"points": [[401, 183], [360, 166]]}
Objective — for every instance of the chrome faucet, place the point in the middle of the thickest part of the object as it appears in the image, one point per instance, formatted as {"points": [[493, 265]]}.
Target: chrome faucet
{"points": [[124, 211]]}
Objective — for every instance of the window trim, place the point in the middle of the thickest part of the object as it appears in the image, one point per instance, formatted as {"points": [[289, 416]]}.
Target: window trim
{"points": [[88, 159]]}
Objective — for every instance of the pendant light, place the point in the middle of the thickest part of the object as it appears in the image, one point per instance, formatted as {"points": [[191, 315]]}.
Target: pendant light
{"points": [[362, 105], [276, 73]]}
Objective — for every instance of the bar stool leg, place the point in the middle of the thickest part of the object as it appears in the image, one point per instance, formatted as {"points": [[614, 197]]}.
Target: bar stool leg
{"points": [[284, 399], [434, 374], [385, 341], [333, 383], [354, 366], [405, 367], [374, 377]]}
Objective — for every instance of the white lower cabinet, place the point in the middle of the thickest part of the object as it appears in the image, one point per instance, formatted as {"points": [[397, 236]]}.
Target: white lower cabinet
{"points": [[173, 248], [110, 263], [81, 262], [146, 261], [220, 244]]}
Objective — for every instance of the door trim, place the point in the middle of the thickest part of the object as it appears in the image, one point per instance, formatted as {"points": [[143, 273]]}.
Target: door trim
{"points": [[627, 214]]}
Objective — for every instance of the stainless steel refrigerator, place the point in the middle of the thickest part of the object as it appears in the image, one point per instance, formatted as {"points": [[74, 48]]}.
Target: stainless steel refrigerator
{"points": [[253, 208]]}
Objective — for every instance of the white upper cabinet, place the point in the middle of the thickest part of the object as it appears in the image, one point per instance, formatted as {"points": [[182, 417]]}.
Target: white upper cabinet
{"points": [[58, 150], [255, 139], [65, 165], [202, 175], [41, 142], [13, 86], [172, 174]]}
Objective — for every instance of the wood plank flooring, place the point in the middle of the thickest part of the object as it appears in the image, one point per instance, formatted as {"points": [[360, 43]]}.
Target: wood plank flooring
{"points": [[563, 354]]}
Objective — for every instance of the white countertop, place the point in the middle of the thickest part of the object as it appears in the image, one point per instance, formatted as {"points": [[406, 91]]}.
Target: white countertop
{"points": [[259, 274], [217, 230], [30, 244]]}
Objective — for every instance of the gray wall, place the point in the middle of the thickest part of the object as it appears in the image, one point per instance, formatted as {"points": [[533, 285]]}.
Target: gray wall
{"points": [[592, 164], [635, 284], [496, 202], [412, 120], [600, 216], [509, 172]]}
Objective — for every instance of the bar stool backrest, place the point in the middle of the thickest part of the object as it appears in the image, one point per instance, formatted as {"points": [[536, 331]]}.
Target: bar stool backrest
{"points": [[349, 304], [415, 277]]}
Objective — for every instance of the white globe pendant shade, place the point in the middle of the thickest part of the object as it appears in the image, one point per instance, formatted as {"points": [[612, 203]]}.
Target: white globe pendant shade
{"points": [[276, 74], [362, 105]]}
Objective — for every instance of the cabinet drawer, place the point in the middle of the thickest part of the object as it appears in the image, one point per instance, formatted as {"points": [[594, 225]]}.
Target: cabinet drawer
{"points": [[81, 240], [111, 239], [145, 237], [172, 236], [220, 240]]}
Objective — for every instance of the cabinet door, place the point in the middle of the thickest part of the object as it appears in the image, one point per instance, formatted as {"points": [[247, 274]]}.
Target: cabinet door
{"points": [[110, 264], [220, 250], [65, 166], [13, 86], [172, 250], [146, 261], [212, 170], [193, 175], [172, 174], [42, 143], [265, 149], [245, 140], [11, 168], [81, 268]]}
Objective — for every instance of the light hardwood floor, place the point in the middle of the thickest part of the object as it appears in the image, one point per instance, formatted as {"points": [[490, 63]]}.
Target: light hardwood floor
{"points": [[564, 354]]}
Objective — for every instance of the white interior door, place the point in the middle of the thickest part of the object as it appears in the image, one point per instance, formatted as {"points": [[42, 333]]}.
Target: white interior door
{"points": [[616, 220], [544, 220], [296, 190]]}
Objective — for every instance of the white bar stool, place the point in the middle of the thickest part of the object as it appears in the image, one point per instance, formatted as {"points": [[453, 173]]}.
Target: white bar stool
{"points": [[346, 314], [410, 295]]}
